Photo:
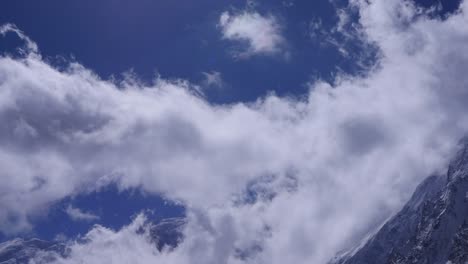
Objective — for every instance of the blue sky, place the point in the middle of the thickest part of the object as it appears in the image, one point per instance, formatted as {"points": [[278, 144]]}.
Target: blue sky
{"points": [[175, 40], [212, 143], [181, 40]]}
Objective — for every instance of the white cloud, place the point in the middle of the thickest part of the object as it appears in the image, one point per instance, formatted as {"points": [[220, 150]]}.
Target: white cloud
{"points": [[77, 214], [259, 34], [326, 169]]}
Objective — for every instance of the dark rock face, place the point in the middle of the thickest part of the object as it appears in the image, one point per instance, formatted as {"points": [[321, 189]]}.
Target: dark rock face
{"points": [[459, 249], [167, 234], [432, 228]]}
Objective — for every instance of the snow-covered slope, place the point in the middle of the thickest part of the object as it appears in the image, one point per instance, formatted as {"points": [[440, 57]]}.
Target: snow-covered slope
{"points": [[432, 227]]}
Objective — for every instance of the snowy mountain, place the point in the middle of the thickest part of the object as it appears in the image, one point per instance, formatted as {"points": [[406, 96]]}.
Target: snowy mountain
{"points": [[165, 234], [431, 228]]}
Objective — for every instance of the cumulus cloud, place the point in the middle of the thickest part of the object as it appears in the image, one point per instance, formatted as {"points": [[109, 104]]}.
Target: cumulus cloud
{"points": [[77, 214], [279, 180], [257, 34]]}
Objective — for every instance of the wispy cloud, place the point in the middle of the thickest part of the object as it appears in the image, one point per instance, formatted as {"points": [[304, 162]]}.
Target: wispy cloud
{"points": [[31, 46], [77, 214], [213, 79]]}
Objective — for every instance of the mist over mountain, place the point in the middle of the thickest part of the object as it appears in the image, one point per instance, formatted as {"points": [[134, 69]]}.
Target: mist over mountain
{"points": [[432, 226]]}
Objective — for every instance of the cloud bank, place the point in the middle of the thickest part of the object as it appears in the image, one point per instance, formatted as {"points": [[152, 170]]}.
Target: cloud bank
{"points": [[279, 180]]}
